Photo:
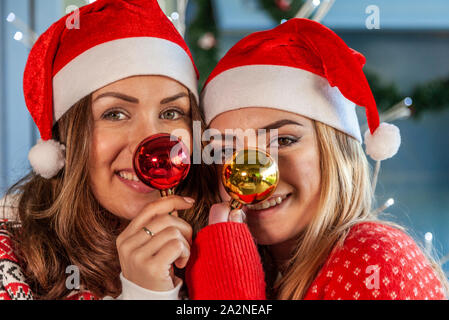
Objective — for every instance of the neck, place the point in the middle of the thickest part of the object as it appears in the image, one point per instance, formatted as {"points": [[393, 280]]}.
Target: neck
{"points": [[282, 253]]}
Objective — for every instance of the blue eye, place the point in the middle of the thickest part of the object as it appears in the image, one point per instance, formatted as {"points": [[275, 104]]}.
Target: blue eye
{"points": [[114, 115]]}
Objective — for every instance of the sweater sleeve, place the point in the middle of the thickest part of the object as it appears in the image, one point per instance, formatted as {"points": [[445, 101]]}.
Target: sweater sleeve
{"points": [[225, 265], [376, 262], [12, 279], [131, 291]]}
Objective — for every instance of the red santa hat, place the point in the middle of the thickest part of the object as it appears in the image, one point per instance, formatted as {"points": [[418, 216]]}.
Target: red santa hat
{"points": [[302, 67], [116, 39]]}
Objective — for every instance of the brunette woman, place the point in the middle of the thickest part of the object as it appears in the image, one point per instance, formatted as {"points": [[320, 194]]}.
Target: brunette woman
{"points": [[95, 93]]}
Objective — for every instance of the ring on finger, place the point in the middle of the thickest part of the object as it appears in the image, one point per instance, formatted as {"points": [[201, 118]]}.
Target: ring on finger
{"points": [[148, 231]]}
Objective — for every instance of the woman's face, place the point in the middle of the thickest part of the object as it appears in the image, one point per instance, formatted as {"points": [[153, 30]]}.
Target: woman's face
{"points": [[125, 113], [299, 167]]}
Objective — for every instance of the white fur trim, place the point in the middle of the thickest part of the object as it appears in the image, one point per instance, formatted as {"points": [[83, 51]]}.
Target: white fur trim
{"points": [[384, 143], [119, 59], [47, 158], [280, 87]]}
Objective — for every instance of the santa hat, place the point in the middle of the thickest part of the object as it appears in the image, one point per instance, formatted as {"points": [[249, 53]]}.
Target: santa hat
{"points": [[116, 39], [305, 68]]}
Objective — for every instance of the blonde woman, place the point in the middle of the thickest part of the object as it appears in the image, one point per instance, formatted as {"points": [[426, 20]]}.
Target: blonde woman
{"points": [[317, 236], [81, 226]]}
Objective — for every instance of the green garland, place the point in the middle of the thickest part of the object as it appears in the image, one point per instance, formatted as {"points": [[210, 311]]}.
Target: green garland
{"points": [[431, 96], [204, 22]]}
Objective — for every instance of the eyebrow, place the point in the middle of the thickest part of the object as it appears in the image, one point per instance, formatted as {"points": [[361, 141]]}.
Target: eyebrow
{"points": [[118, 96], [175, 97], [272, 126], [279, 124], [135, 100]]}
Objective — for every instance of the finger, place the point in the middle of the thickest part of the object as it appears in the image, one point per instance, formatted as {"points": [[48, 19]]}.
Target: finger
{"points": [[219, 213], [156, 226], [165, 221], [172, 251], [236, 215], [174, 213], [161, 206], [161, 239], [244, 211]]}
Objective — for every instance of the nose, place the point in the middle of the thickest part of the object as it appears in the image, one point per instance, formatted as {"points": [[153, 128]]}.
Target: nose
{"points": [[142, 129]]}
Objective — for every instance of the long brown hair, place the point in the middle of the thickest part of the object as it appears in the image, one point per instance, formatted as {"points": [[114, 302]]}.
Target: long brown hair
{"points": [[346, 199], [62, 224]]}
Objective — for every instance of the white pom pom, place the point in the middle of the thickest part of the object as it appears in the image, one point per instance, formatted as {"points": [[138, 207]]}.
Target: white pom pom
{"points": [[384, 143], [47, 158]]}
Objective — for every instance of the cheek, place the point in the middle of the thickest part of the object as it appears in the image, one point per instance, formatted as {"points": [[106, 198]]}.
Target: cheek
{"points": [[185, 133], [225, 197], [304, 171], [104, 148], [309, 169]]}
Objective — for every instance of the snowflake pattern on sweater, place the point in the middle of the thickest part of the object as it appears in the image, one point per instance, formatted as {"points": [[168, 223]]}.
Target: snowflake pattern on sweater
{"points": [[376, 262], [13, 284]]}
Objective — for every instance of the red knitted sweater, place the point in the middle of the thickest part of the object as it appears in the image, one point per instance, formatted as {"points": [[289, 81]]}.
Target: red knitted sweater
{"points": [[13, 284], [375, 262]]}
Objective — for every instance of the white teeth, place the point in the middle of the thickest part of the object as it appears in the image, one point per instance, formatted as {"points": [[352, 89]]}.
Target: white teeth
{"points": [[267, 204], [128, 176]]}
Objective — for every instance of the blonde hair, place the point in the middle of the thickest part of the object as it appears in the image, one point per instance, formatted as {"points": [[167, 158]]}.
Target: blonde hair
{"points": [[346, 199]]}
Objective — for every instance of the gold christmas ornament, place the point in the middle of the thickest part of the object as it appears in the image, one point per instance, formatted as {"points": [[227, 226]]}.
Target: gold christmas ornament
{"points": [[250, 176]]}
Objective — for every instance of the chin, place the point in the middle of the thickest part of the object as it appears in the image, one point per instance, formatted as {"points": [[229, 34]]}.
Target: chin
{"points": [[264, 237], [273, 234], [127, 212], [134, 204]]}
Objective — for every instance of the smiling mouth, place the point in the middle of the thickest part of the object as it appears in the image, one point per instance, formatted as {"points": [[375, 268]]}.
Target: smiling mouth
{"points": [[128, 176], [272, 202]]}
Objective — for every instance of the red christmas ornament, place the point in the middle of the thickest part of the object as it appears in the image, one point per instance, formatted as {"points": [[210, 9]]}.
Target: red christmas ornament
{"points": [[162, 162]]}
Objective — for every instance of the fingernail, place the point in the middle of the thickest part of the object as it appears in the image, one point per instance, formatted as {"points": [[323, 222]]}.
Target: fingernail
{"points": [[243, 216], [189, 200], [237, 216]]}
